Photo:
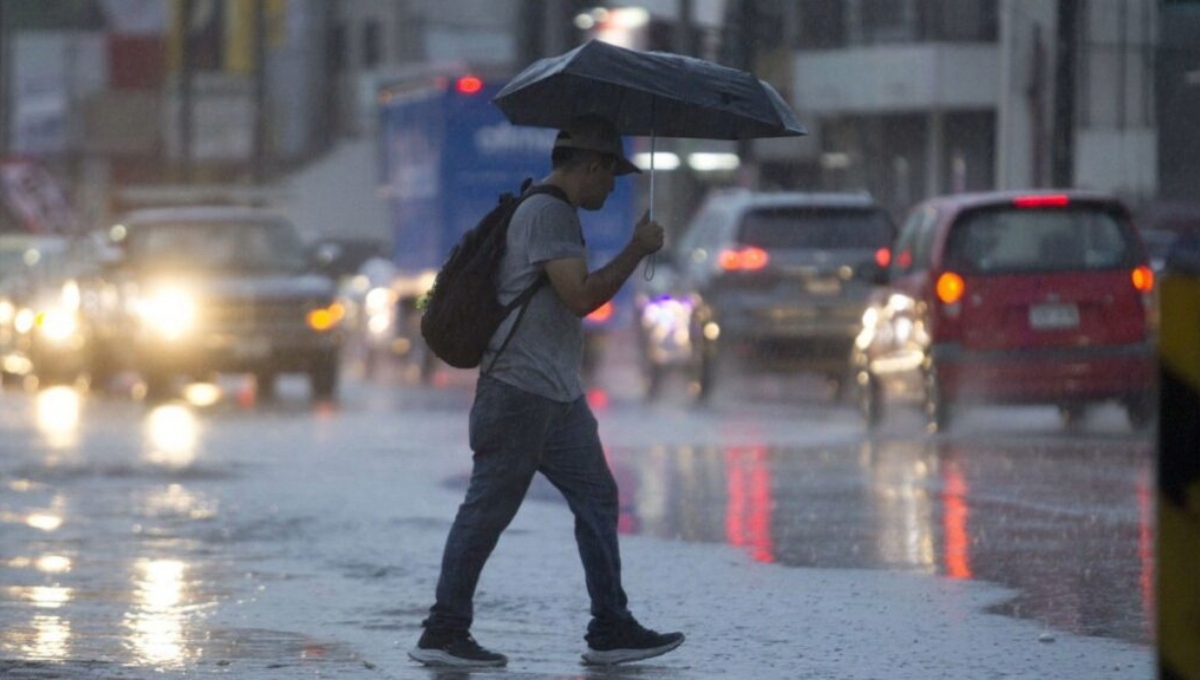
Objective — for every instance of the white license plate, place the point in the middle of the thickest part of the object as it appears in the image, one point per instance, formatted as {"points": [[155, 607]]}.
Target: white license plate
{"points": [[1053, 316], [823, 286], [251, 348]]}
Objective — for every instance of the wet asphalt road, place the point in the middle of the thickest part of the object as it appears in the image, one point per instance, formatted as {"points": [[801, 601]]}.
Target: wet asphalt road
{"points": [[94, 488]]}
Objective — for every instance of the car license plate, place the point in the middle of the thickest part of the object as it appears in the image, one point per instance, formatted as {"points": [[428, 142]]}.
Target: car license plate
{"points": [[823, 286], [1053, 316], [251, 348]]}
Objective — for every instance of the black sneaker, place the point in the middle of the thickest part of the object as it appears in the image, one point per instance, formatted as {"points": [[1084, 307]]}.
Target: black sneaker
{"points": [[453, 648], [630, 642]]}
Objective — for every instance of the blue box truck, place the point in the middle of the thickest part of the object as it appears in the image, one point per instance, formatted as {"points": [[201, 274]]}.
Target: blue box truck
{"points": [[446, 155]]}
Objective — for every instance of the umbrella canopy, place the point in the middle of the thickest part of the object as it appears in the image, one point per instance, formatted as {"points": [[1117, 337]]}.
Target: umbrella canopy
{"points": [[648, 94]]}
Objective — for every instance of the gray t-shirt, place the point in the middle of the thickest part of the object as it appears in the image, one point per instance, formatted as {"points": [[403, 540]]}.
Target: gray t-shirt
{"points": [[545, 354]]}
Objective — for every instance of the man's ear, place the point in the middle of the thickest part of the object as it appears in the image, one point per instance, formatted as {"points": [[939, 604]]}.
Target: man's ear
{"points": [[602, 164]]}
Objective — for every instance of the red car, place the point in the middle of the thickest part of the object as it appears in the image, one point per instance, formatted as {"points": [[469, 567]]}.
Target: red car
{"points": [[1012, 298]]}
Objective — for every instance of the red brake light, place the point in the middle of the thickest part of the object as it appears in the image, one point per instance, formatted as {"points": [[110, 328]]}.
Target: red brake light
{"points": [[883, 257], [749, 258], [602, 313], [468, 85], [1143, 279], [1042, 201], [950, 288]]}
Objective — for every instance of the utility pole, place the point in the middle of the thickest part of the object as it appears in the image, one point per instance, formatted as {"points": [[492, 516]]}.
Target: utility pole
{"points": [[1063, 148], [685, 30], [259, 160], [747, 56], [5, 76], [186, 73]]}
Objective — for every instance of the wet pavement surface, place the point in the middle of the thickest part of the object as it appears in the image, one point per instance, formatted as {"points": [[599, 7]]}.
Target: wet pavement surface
{"points": [[1068, 525], [179, 537]]}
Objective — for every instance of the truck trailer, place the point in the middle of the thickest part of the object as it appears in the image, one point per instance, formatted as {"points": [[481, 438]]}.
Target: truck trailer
{"points": [[446, 155]]}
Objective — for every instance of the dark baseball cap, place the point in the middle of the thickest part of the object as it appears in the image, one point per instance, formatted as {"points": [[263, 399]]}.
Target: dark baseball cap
{"points": [[593, 133]]}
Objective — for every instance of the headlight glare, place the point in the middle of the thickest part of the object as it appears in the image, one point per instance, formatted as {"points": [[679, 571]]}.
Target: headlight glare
{"points": [[170, 312], [57, 324]]}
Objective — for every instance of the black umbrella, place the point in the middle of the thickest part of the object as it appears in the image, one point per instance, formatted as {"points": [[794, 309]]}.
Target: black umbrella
{"points": [[648, 94]]}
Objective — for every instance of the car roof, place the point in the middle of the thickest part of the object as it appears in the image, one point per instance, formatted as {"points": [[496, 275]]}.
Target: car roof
{"points": [[202, 213], [744, 198], [982, 199], [13, 242]]}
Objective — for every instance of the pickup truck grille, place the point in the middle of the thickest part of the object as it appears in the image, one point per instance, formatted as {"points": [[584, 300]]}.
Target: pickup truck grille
{"points": [[248, 314]]}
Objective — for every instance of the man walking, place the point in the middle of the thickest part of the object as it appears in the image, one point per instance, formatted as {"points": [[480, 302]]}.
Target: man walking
{"points": [[530, 414]]}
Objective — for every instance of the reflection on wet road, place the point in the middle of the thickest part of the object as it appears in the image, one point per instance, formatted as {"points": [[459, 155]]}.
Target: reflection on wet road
{"points": [[134, 504], [1066, 522], [131, 533], [116, 525]]}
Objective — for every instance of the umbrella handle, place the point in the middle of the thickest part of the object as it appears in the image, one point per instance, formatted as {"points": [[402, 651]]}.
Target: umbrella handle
{"points": [[653, 143]]}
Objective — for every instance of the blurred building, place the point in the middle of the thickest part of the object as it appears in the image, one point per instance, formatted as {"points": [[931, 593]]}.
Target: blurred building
{"points": [[904, 98], [1177, 100], [910, 98]]}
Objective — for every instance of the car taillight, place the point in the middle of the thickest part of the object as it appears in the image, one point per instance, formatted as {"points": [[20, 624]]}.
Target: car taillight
{"points": [[1042, 201], [468, 85], [1143, 279], [950, 288], [883, 257], [749, 258], [602, 313]]}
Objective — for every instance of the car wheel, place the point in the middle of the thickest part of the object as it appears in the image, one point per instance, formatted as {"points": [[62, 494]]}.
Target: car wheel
{"points": [[100, 369], [323, 377], [706, 370], [264, 384], [870, 399], [1072, 415], [158, 385], [1141, 412], [937, 410], [655, 376]]}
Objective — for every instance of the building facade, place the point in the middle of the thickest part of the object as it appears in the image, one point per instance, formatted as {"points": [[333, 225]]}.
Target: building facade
{"points": [[911, 98], [904, 98]]}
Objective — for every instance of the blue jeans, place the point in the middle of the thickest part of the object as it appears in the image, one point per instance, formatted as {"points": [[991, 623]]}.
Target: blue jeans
{"points": [[515, 434]]}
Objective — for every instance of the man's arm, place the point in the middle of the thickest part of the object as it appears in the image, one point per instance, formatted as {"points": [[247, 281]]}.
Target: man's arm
{"points": [[583, 292]]}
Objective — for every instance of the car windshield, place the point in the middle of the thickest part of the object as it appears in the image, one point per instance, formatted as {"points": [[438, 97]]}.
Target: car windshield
{"points": [[242, 246], [33, 262], [1038, 240], [817, 228]]}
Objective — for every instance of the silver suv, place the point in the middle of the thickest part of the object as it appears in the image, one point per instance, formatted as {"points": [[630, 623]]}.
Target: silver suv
{"points": [[779, 279]]}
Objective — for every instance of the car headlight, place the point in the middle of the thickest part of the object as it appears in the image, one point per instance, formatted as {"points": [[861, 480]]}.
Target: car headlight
{"points": [[24, 320], [57, 324], [170, 312]]}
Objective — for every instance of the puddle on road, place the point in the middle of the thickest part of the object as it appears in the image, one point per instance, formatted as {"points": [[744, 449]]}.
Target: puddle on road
{"points": [[225, 653], [1067, 524]]}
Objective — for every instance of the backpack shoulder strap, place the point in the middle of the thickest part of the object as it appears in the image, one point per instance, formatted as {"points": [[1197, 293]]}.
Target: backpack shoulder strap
{"points": [[547, 189], [522, 301]]}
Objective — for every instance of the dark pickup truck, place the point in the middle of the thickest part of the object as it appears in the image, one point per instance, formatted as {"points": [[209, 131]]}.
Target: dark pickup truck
{"points": [[198, 291]]}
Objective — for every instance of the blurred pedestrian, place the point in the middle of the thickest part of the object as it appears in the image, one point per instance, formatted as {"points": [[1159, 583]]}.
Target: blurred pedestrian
{"points": [[530, 414]]}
